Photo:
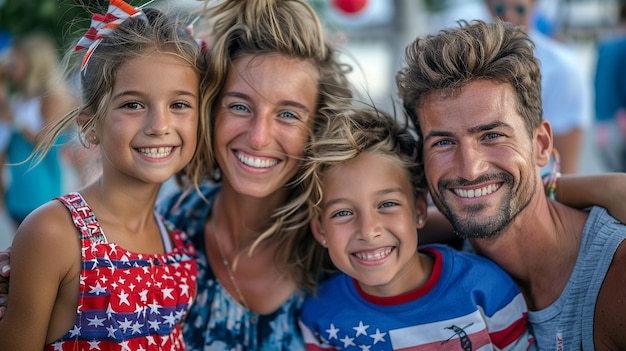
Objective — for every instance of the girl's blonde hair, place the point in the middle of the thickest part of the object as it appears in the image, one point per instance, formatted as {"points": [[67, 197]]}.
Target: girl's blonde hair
{"points": [[152, 30]]}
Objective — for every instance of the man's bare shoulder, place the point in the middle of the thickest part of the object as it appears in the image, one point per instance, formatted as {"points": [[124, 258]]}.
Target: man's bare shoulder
{"points": [[610, 313]]}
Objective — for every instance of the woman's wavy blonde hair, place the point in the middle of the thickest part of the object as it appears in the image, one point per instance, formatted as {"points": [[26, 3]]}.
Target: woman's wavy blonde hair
{"points": [[275, 27]]}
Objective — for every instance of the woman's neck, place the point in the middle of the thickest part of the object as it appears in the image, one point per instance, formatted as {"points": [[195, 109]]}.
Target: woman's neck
{"points": [[245, 217]]}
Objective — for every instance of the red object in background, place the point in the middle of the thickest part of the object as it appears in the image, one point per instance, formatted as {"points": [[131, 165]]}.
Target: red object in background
{"points": [[350, 7]]}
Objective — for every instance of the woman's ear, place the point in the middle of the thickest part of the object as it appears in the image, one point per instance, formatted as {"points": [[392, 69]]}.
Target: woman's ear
{"points": [[318, 232], [421, 211], [543, 143]]}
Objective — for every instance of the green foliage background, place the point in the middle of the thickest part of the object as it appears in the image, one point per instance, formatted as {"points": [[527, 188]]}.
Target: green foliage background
{"points": [[65, 20]]}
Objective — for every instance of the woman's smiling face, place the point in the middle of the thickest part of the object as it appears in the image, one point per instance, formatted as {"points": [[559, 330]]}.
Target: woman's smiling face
{"points": [[263, 120]]}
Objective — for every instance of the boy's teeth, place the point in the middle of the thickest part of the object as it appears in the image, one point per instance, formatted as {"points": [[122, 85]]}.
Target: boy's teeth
{"points": [[373, 255]]}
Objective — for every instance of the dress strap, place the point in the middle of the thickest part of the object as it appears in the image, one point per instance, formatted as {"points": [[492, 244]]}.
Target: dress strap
{"points": [[83, 217], [165, 235]]}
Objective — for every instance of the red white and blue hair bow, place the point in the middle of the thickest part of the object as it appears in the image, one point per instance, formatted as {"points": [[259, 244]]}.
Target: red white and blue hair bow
{"points": [[102, 25]]}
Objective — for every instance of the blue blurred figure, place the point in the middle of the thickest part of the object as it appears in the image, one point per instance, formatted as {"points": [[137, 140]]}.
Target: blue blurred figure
{"points": [[37, 96], [610, 95]]}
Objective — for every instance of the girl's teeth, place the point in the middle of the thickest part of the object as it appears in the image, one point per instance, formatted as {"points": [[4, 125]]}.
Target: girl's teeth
{"points": [[156, 152]]}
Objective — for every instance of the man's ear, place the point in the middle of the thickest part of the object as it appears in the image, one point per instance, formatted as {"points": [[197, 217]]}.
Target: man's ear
{"points": [[318, 231], [543, 143]]}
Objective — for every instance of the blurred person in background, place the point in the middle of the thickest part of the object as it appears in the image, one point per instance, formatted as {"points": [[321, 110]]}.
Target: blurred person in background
{"points": [[565, 91], [5, 126], [38, 95], [610, 95]]}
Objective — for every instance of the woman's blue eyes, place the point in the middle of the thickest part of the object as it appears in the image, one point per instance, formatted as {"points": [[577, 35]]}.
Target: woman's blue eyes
{"points": [[243, 108], [289, 115], [239, 107]]}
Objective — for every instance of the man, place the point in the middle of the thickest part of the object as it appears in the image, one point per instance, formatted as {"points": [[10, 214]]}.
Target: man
{"points": [[566, 92], [474, 93]]}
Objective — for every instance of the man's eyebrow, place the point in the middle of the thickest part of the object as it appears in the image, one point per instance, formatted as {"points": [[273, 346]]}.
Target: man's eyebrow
{"points": [[488, 126], [472, 130]]}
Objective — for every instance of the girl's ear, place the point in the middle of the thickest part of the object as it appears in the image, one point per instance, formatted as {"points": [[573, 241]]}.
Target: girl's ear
{"points": [[421, 211], [318, 232], [83, 119]]}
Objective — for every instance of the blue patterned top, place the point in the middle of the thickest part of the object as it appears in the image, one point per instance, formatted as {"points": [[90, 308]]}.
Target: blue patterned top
{"points": [[216, 321]]}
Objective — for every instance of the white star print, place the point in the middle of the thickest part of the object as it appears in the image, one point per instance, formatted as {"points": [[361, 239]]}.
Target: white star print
{"points": [[123, 296], [167, 293], [154, 308], [96, 322], [378, 336], [347, 341], [136, 328], [361, 329], [332, 332], [184, 289], [98, 289], [170, 319], [94, 345], [124, 345], [154, 324], [151, 340], [112, 331], [75, 331]]}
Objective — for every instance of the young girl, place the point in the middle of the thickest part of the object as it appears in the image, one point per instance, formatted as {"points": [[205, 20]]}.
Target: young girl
{"points": [[97, 268], [368, 198]]}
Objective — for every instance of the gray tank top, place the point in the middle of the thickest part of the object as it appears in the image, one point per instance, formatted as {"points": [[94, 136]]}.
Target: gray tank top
{"points": [[567, 324]]}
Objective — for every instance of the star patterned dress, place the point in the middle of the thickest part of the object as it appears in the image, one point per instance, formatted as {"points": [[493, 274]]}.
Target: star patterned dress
{"points": [[128, 301], [216, 320]]}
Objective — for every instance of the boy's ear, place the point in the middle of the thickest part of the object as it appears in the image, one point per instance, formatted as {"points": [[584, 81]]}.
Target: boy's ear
{"points": [[318, 232], [421, 211]]}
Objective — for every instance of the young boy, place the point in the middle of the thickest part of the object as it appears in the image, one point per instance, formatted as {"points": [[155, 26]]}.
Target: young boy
{"points": [[368, 198]]}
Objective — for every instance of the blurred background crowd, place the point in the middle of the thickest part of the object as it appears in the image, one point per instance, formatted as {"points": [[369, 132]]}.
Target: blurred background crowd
{"points": [[581, 45]]}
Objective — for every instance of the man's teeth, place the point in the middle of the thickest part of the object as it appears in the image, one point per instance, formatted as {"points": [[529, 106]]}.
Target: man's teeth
{"points": [[373, 255], [156, 152], [256, 162], [476, 192]]}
